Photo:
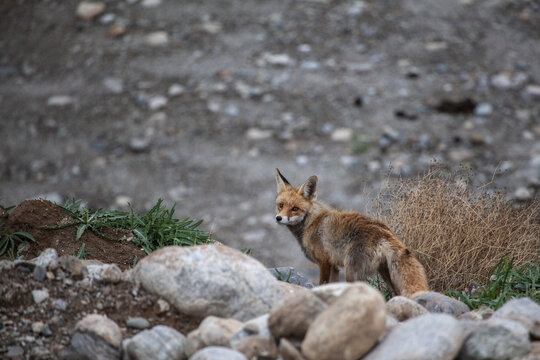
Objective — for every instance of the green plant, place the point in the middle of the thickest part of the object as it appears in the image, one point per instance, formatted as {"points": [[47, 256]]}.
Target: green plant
{"points": [[82, 253], [380, 285], [280, 276], [158, 228], [247, 251], [154, 230], [360, 145], [505, 283], [8, 240], [135, 261]]}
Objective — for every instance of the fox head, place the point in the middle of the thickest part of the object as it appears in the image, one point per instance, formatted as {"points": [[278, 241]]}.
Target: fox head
{"points": [[293, 204]]}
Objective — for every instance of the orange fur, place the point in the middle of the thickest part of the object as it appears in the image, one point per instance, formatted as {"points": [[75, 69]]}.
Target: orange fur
{"points": [[341, 239]]}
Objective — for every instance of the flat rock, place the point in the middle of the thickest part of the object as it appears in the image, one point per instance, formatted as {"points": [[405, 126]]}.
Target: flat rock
{"points": [[292, 318], [217, 353], [223, 281], [257, 347], [349, 326], [291, 275], [496, 339], [403, 308], [159, 343], [426, 337], [83, 343], [137, 323], [439, 303]]}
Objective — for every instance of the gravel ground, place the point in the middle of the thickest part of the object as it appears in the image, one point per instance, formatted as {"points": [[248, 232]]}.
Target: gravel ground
{"points": [[198, 101]]}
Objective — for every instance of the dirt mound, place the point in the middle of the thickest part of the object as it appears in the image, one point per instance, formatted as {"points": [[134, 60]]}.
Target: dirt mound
{"points": [[45, 220]]}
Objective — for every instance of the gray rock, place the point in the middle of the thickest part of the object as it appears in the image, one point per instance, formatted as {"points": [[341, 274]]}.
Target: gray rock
{"points": [[175, 90], [73, 265], [157, 102], [222, 281], [403, 308], [439, 303], [138, 323], [254, 327], [14, 352], [508, 80], [523, 310], [426, 337], [217, 353], [523, 194], [39, 273], [483, 109], [101, 327], [257, 347], [139, 144], [114, 85], [159, 343], [291, 275], [60, 304], [292, 318], [212, 331], [48, 259], [532, 90], [496, 339], [82, 344], [40, 295], [108, 273], [349, 327]]}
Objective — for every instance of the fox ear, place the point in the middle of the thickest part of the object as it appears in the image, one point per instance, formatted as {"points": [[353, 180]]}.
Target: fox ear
{"points": [[309, 189], [282, 183]]}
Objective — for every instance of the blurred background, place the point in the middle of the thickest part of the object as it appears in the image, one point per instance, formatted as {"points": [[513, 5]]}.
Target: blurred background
{"points": [[197, 102]]}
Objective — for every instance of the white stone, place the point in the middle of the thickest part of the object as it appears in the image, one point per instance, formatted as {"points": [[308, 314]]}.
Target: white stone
{"points": [[150, 3], [40, 295], [101, 326], [60, 100], [157, 102], [88, 10], [114, 85], [176, 90], [258, 134], [342, 135], [157, 38]]}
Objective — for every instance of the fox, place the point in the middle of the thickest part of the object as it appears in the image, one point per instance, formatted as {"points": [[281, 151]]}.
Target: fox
{"points": [[335, 239]]}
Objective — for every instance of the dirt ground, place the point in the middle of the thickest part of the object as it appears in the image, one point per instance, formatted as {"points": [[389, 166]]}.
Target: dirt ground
{"points": [[201, 112]]}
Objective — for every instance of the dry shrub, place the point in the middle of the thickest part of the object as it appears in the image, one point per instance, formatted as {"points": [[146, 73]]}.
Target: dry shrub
{"points": [[459, 234]]}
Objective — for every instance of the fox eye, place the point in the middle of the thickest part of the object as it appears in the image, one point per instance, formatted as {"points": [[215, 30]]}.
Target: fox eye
{"points": [[280, 205], [295, 208]]}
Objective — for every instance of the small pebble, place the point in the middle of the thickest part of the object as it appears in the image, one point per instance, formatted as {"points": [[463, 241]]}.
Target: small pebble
{"points": [[87, 10], [523, 194], [40, 295], [39, 273], [138, 323], [157, 38]]}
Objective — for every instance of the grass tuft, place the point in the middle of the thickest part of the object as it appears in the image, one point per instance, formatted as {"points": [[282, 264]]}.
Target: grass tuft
{"points": [[154, 230], [506, 282], [460, 234]]}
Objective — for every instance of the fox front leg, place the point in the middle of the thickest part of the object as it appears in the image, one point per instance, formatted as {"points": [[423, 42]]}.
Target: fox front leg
{"points": [[334, 274], [324, 273]]}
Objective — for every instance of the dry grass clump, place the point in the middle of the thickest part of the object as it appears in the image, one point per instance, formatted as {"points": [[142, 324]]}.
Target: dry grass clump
{"points": [[459, 234]]}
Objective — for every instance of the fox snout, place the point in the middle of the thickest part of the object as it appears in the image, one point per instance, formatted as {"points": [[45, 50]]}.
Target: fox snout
{"points": [[289, 220]]}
